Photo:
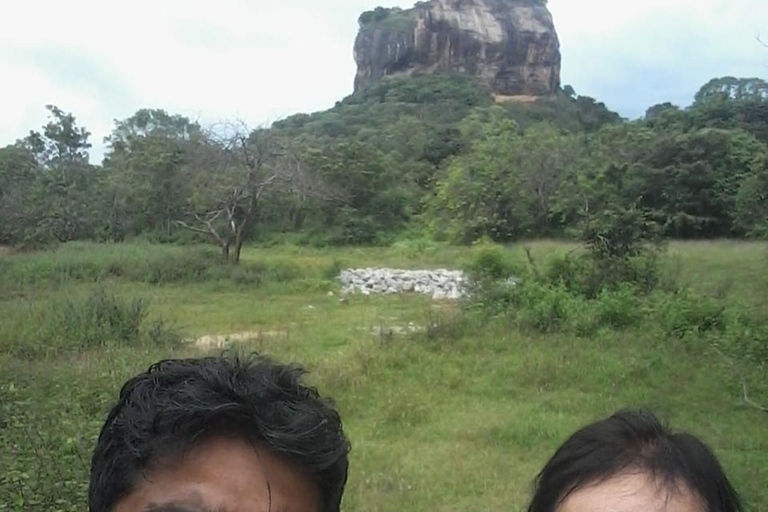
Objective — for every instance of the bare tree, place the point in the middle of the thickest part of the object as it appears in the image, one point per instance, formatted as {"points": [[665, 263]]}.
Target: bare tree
{"points": [[247, 165]]}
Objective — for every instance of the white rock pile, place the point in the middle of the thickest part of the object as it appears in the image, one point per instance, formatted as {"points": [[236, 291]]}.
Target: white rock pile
{"points": [[439, 284]]}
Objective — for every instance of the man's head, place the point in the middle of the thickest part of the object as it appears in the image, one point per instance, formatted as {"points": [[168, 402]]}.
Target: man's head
{"points": [[219, 435], [631, 462]]}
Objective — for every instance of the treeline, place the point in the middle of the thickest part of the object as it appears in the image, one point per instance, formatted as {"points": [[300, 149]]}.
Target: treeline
{"points": [[425, 156]]}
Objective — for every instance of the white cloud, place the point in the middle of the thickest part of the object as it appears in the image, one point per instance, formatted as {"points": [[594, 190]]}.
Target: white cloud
{"points": [[264, 59]]}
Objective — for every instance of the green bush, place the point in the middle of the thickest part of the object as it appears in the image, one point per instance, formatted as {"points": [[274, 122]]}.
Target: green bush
{"points": [[745, 339], [544, 308], [619, 309], [494, 279], [490, 262], [589, 275], [683, 314]]}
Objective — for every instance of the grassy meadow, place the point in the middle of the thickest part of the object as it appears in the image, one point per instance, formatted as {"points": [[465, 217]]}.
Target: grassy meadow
{"points": [[458, 415]]}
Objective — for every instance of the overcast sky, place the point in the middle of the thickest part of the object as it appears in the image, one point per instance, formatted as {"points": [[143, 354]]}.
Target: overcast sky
{"points": [[261, 60]]}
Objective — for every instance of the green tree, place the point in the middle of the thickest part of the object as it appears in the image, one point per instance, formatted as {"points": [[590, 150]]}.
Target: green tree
{"points": [[752, 202], [150, 157], [68, 196], [18, 175], [369, 199], [505, 187]]}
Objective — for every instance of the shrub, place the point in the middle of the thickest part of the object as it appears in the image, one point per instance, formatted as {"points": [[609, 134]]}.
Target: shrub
{"points": [[590, 274], [682, 314], [618, 309], [745, 339], [490, 262], [544, 308]]}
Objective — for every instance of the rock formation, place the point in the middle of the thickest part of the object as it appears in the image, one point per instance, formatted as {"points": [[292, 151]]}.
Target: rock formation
{"points": [[510, 45]]}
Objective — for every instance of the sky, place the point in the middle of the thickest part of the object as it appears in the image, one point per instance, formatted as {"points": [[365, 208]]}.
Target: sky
{"points": [[263, 60]]}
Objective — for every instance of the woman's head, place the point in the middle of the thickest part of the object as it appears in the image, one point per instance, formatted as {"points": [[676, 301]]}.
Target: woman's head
{"points": [[631, 462]]}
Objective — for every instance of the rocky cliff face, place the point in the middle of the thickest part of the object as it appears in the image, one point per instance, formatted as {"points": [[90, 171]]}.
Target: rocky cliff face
{"points": [[510, 45]]}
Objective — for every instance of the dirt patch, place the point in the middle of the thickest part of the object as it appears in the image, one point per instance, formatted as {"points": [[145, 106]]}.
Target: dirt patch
{"points": [[5, 250], [500, 98], [226, 340]]}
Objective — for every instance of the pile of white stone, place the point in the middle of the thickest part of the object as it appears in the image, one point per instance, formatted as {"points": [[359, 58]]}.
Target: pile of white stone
{"points": [[439, 284]]}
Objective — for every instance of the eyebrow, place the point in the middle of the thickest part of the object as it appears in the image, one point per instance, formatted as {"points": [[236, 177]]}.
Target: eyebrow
{"points": [[177, 507]]}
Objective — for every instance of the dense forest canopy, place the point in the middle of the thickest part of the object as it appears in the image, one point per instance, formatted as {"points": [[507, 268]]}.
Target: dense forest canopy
{"points": [[424, 156]]}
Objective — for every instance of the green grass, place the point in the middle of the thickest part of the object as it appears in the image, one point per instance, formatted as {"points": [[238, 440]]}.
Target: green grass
{"points": [[453, 419]]}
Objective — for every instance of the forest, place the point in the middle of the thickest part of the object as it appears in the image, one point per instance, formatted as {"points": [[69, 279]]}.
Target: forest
{"points": [[430, 157]]}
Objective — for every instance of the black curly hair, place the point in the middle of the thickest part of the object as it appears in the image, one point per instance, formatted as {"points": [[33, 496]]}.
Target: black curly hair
{"points": [[177, 403], [634, 440]]}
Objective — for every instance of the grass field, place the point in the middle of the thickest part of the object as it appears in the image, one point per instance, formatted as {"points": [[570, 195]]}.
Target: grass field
{"points": [[456, 417]]}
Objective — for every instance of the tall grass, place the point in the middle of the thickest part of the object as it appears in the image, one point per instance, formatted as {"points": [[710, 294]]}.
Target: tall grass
{"points": [[142, 263], [76, 323]]}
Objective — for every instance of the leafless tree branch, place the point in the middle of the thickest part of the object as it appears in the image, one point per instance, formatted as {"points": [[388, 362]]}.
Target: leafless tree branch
{"points": [[184, 225]]}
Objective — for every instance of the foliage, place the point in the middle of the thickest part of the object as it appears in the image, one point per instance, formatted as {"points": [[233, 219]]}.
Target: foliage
{"points": [[377, 15], [751, 212], [490, 262], [149, 163], [505, 187], [432, 154], [17, 177]]}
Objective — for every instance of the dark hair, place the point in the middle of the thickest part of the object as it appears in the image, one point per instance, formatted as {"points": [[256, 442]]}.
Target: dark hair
{"points": [[177, 403], [634, 440]]}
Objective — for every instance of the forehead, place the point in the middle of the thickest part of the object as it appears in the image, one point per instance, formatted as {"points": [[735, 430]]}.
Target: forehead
{"points": [[224, 475], [630, 492]]}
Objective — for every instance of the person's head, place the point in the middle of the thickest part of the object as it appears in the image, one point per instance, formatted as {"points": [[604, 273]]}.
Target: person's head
{"points": [[630, 462], [219, 434]]}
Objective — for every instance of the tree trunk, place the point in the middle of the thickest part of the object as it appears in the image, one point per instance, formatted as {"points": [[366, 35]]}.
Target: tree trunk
{"points": [[116, 228], [238, 250], [245, 228], [225, 251], [298, 218]]}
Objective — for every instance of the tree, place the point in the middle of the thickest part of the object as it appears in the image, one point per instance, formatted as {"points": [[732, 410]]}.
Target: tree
{"points": [[370, 195], [731, 88], [61, 142], [18, 174], [147, 157], [225, 205], [505, 187], [67, 197], [752, 202]]}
